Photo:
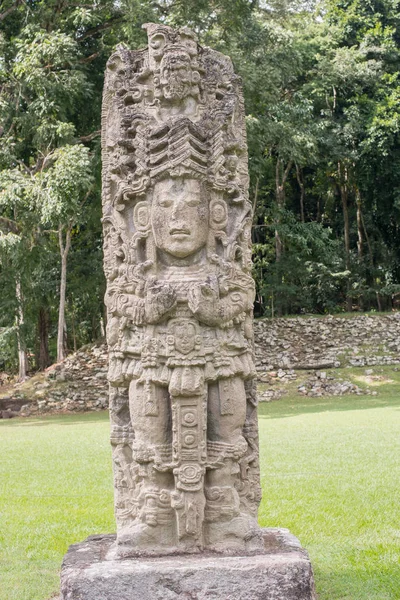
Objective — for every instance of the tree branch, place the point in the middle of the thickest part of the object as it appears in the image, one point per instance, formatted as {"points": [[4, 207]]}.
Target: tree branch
{"points": [[60, 240], [23, 165], [43, 162], [255, 196], [90, 136], [11, 9], [68, 238], [302, 191], [286, 172], [9, 226], [101, 27], [88, 59]]}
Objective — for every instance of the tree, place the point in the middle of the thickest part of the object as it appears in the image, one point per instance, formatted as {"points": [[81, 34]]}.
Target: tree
{"points": [[17, 237], [45, 82], [60, 195]]}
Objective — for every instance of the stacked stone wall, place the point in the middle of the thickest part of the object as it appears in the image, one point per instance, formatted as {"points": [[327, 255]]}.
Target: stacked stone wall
{"points": [[326, 342]]}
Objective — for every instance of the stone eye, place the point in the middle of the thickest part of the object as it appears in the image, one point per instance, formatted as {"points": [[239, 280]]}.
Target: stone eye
{"points": [[166, 202], [193, 201]]}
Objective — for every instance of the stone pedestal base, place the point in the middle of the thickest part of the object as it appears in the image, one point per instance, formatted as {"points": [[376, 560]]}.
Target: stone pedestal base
{"points": [[283, 573]]}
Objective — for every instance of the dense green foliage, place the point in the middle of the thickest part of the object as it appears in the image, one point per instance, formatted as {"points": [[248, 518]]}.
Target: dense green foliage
{"points": [[336, 489], [322, 91]]}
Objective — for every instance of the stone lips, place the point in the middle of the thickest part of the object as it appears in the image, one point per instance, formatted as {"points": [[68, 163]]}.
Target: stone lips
{"points": [[177, 258]]}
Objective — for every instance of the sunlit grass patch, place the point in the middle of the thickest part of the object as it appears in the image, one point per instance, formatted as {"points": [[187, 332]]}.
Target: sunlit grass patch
{"points": [[55, 489], [330, 473], [373, 380]]}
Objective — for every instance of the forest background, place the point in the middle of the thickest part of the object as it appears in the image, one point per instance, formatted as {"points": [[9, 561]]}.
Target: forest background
{"points": [[322, 94]]}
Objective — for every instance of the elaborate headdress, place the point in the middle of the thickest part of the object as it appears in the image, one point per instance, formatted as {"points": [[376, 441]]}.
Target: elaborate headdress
{"points": [[174, 110]]}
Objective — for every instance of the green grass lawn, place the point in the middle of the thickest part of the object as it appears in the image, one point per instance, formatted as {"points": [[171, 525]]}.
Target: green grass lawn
{"points": [[330, 473], [55, 489]]}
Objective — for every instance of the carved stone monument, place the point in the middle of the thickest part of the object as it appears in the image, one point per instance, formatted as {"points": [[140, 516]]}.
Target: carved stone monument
{"points": [[177, 257], [179, 296]]}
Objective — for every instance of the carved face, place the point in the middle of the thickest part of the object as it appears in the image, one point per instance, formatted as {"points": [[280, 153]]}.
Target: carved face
{"points": [[179, 216], [176, 76], [185, 339]]}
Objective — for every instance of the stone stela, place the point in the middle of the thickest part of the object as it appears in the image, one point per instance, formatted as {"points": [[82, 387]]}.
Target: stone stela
{"points": [[177, 257]]}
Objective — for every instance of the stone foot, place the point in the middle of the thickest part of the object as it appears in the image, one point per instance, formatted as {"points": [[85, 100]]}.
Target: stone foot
{"points": [[142, 539], [241, 534]]}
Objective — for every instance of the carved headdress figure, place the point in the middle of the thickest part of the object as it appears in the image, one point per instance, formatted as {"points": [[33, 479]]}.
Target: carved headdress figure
{"points": [[177, 259]]}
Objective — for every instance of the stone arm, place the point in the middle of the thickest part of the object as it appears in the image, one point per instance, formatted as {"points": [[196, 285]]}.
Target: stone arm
{"points": [[160, 301], [127, 305], [211, 309], [150, 307]]}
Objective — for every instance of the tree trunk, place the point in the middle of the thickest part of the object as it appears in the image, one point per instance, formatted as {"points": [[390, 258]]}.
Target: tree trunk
{"points": [[281, 176], [378, 301], [318, 218], [360, 241], [371, 261], [302, 191], [74, 332], [255, 198], [64, 249], [102, 328], [280, 181], [43, 327], [343, 178], [370, 252], [22, 355]]}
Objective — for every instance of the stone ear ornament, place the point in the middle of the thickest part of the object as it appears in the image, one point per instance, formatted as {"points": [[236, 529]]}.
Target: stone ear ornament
{"points": [[218, 214], [157, 43], [141, 216]]}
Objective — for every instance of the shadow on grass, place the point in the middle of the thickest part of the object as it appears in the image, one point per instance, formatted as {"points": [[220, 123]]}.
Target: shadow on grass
{"points": [[70, 419], [291, 407]]}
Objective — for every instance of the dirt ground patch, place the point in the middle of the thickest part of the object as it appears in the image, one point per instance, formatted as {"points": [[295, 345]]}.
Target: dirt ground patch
{"points": [[374, 380]]}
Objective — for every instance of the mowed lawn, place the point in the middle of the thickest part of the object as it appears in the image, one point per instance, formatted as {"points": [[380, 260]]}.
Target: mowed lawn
{"points": [[55, 489], [330, 473]]}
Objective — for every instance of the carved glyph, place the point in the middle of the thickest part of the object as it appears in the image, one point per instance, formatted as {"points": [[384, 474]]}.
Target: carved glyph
{"points": [[177, 259]]}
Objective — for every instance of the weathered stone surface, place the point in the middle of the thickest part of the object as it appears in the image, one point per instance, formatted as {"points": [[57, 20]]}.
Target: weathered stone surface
{"points": [[283, 572], [177, 258]]}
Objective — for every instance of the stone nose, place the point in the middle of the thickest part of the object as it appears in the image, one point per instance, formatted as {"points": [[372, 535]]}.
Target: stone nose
{"points": [[178, 211], [175, 211]]}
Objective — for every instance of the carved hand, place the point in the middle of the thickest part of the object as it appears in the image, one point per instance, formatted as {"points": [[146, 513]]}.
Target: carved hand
{"points": [[160, 299], [203, 300]]}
